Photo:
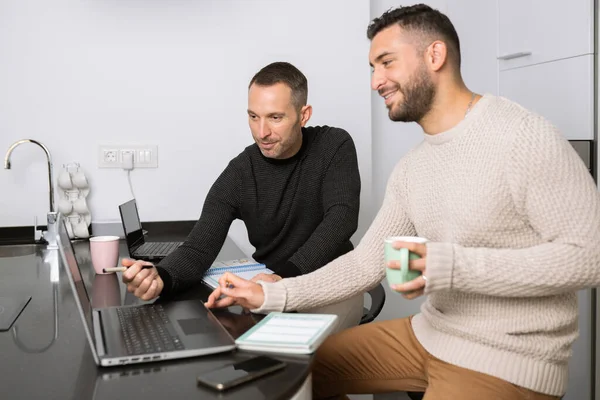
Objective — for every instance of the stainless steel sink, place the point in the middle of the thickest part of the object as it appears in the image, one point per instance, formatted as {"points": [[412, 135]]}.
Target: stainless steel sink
{"points": [[20, 250]]}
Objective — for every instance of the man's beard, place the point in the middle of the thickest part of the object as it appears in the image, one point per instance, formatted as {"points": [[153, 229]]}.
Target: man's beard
{"points": [[418, 95]]}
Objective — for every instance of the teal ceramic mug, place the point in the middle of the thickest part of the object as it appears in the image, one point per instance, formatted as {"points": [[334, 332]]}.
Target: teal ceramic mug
{"points": [[403, 274]]}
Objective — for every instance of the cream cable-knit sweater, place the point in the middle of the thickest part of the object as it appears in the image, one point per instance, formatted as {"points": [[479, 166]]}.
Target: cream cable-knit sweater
{"points": [[513, 219]]}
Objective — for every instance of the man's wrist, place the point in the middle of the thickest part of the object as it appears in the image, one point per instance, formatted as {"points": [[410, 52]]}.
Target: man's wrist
{"points": [[440, 266], [166, 279], [274, 297]]}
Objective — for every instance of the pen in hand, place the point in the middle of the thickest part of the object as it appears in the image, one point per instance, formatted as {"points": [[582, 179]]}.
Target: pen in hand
{"points": [[123, 269]]}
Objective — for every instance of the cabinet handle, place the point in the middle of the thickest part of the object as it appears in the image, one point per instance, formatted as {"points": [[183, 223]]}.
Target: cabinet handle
{"points": [[514, 55]]}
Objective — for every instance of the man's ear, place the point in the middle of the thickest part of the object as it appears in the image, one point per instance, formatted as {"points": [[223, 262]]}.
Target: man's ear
{"points": [[436, 55], [305, 114]]}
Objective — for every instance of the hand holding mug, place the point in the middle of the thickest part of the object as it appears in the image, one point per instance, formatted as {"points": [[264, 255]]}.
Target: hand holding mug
{"points": [[406, 259]]}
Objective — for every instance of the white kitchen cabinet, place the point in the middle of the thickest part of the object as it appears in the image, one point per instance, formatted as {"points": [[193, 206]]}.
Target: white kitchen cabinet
{"points": [[561, 91], [537, 31]]}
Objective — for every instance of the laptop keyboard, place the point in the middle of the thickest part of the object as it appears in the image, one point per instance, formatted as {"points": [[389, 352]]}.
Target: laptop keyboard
{"points": [[146, 330], [157, 248]]}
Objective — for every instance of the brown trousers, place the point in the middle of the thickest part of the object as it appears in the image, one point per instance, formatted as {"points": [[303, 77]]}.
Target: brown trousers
{"points": [[386, 356]]}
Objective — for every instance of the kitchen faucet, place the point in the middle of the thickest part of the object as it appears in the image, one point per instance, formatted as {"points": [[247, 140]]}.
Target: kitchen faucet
{"points": [[51, 232]]}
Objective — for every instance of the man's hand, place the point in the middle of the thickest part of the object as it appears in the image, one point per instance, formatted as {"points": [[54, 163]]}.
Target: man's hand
{"points": [[266, 278], [416, 287], [143, 283], [237, 291]]}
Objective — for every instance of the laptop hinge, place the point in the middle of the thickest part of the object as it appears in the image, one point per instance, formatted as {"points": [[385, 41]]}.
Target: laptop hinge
{"points": [[98, 334]]}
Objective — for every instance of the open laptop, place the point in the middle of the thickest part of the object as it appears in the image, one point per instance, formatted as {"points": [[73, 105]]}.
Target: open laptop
{"points": [[142, 333], [138, 247]]}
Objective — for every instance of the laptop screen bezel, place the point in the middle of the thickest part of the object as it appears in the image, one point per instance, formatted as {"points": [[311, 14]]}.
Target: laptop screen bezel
{"points": [[134, 238], [67, 254]]}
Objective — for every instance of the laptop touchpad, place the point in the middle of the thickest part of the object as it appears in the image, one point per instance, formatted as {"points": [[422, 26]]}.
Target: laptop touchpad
{"points": [[194, 326]]}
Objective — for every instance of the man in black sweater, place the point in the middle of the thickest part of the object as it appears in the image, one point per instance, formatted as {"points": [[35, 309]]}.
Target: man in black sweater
{"points": [[296, 188]]}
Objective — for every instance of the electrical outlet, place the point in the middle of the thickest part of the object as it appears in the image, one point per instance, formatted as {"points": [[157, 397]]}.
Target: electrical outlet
{"points": [[110, 156], [144, 156]]}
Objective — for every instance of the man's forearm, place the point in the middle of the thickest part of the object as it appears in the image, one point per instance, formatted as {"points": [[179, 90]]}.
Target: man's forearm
{"points": [[182, 269], [543, 270]]}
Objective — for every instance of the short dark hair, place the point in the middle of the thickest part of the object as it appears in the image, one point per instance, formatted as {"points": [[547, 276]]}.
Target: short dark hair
{"points": [[286, 73], [423, 20]]}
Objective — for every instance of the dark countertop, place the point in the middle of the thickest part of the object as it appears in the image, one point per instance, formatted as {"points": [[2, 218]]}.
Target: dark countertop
{"points": [[41, 359]]}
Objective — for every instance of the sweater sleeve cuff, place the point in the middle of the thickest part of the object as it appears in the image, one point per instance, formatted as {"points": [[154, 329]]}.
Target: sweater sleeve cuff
{"points": [[289, 270], [439, 267], [167, 281], [275, 297]]}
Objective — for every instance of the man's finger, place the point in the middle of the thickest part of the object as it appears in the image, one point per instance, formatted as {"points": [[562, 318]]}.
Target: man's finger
{"points": [[140, 277], [224, 302], [156, 287], [144, 286], [236, 292], [413, 295], [224, 279], [418, 264], [133, 268], [212, 298], [416, 284], [231, 280], [127, 262], [265, 277], [417, 248], [151, 292], [214, 301], [132, 271], [261, 276]]}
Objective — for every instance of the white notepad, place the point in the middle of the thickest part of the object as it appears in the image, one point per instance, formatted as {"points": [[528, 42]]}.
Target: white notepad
{"points": [[245, 268], [288, 333]]}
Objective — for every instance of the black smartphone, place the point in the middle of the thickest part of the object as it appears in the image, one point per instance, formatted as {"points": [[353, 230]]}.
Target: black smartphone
{"points": [[241, 372]]}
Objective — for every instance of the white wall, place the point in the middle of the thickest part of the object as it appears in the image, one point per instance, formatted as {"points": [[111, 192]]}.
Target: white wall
{"points": [[76, 74], [475, 21]]}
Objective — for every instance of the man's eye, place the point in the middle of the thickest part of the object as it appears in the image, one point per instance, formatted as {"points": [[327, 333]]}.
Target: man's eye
{"points": [[386, 63], [276, 118]]}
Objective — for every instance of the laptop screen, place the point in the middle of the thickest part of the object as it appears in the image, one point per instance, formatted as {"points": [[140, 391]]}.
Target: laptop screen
{"points": [[131, 223], [76, 280]]}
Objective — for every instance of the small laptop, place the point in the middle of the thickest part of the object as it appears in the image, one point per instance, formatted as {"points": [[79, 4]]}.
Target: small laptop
{"points": [[134, 235], [142, 333]]}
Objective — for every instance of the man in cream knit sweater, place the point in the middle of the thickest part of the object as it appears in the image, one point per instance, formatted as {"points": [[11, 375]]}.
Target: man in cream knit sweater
{"points": [[513, 222]]}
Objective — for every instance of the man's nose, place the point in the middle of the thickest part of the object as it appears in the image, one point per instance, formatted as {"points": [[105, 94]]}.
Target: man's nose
{"points": [[377, 79], [263, 130]]}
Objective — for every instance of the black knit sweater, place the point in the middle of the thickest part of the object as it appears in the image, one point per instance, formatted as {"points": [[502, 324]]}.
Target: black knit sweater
{"points": [[299, 212]]}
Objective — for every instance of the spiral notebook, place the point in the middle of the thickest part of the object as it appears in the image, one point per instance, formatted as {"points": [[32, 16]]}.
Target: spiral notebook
{"points": [[245, 268], [292, 333]]}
